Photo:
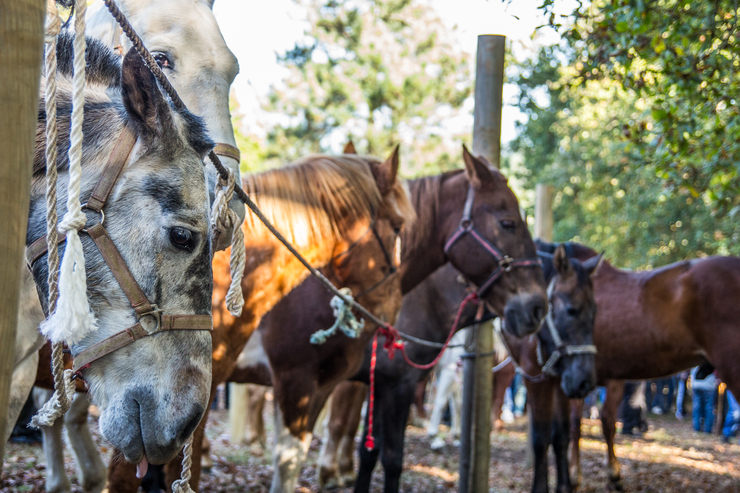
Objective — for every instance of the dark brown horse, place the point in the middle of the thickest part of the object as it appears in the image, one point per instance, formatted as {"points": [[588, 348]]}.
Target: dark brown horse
{"points": [[325, 206], [655, 323], [428, 313], [470, 219], [574, 375]]}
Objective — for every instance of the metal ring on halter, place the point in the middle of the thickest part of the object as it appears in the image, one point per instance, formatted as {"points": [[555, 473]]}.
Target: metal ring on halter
{"points": [[102, 215], [466, 223], [506, 263], [156, 314]]}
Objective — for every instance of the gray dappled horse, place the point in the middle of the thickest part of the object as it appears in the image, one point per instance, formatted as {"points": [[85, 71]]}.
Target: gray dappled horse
{"points": [[151, 393]]}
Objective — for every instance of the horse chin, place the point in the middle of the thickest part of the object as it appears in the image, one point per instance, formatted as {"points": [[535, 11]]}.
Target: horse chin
{"points": [[579, 377], [136, 426]]}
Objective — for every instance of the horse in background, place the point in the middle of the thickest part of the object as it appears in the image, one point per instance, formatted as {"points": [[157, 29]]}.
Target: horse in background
{"points": [[573, 375], [655, 323]]}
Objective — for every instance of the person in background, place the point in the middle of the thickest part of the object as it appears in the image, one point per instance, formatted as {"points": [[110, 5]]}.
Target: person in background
{"points": [[681, 393], [732, 420], [633, 409], [703, 390]]}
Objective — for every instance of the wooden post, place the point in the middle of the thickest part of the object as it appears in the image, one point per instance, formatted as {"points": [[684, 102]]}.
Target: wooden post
{"points": [[21, 53], [238, 410], [543, 222], [475, 450]]}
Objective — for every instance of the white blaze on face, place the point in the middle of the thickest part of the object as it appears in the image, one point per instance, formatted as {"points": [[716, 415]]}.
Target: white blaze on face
{"points": [[397, 251]]}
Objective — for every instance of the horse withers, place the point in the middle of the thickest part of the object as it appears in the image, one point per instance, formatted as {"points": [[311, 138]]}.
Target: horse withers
{"points": [[156, 216]]}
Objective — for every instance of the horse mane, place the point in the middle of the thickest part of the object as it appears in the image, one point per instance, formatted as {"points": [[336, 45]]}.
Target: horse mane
{"points": [[313, 199], [425, 197]]}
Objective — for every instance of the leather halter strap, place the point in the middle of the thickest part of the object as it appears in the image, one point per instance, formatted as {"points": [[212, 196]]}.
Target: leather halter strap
{"points": [[505, 263], [228, 150], [561, 349], [150, 319]]}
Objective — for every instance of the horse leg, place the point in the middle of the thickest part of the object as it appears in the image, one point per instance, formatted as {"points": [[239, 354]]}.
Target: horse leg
{"points": [[614, 393], [368, 458], [445, 381], [332, 460], [574, 453], [92, 468], [561, 439], [56, 477], [206, 461], [396, 408], [540, 399], [255, 433], [346, 452], [501, 381]]}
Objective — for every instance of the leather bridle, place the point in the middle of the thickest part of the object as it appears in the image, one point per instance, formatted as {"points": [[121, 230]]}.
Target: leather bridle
{"points": [[561, 349], [392, 268], [505, 263], [150, 318]]}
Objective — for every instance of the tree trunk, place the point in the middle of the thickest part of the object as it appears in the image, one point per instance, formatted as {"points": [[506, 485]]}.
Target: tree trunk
{"points": [[21, 50]]}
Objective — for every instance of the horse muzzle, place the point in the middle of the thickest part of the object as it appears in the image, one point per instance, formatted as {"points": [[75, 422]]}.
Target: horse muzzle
{"points": [[523, 313]]}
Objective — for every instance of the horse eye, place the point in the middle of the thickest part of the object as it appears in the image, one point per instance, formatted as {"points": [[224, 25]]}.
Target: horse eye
{"points": [[182, 238], [508, 224], [572, 311], [163, 60]]}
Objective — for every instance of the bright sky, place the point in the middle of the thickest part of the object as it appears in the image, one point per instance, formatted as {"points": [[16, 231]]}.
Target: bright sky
{"points": [[257, 30]]}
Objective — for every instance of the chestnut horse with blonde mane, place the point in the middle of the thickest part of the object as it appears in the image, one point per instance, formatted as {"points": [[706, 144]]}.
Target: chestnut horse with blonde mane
{"points": [[322, 205]]}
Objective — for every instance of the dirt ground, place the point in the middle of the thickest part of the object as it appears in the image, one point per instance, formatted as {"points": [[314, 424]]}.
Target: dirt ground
{"points": [[670, 457]]}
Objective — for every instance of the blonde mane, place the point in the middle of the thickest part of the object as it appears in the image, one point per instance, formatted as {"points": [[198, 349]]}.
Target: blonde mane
{"points": [[313, 200]]}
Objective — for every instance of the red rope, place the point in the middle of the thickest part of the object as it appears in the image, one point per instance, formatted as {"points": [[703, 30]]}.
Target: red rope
{"points": [[393, 342]]}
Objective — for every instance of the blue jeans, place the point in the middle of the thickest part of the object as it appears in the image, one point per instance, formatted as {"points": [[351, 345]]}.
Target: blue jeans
{"points": [[732, 421], [703, 408]]}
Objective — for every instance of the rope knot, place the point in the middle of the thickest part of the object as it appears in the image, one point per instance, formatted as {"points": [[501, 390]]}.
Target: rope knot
{"points": [[392, 340], [53, 22], [345, 319]]}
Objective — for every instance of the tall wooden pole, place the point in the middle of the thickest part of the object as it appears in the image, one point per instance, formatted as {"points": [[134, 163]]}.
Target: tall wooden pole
{"points": [[21, 51], [543, 222], [475, 449]]}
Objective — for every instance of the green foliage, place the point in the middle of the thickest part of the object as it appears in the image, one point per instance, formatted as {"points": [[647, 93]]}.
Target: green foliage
{"points": [[378, 71], [611, 194], [640, 132]]}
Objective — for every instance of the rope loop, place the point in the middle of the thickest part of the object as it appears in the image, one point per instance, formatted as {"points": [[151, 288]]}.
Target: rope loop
{"points": [[345, 320], [223, 219], [55, 407]]}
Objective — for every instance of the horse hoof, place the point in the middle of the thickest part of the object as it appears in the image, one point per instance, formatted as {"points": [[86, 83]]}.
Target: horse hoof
{"points": [[349, 479], [615, 484], [437, 443]]}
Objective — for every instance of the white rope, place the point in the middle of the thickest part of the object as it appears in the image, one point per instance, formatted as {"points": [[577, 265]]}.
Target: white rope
{"points": [[345, 320], [224, 218], [73, 319], [182, 485]]}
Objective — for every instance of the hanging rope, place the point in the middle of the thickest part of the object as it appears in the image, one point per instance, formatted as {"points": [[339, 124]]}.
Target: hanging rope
{"points": [[182, 485], [224, 218], [60, 401], [73, 320], [345, 320]]}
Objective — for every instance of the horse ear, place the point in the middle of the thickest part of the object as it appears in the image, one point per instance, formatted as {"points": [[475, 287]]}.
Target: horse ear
{"points": [[208, 3], [561, 262], [592, 265], [142, 98], [387, 172], [349, 148], [477, 170]]}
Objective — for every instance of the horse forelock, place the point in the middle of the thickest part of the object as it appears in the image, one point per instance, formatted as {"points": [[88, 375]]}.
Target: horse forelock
{"points": [[315, 199]]}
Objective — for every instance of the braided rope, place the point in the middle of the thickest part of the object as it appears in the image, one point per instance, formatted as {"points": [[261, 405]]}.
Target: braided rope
{"points": [[73, 320], [61, 403], [224, 218], [182, 485]]}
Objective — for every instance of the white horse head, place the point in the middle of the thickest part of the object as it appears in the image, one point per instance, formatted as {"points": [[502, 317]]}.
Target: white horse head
{"points": [[185, 39]]}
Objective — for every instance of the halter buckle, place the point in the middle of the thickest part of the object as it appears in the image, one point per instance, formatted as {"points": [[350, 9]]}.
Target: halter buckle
{"points": [[466, 224], [506, 263], [156, 315]]}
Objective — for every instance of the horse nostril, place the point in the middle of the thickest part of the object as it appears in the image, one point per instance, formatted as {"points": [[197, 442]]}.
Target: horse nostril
{"points": [[538, 312], [191, 423]]}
